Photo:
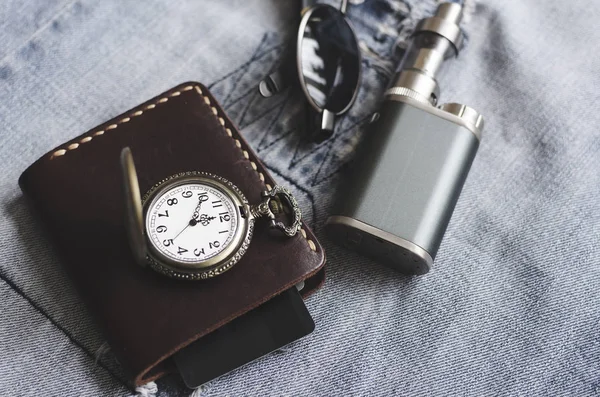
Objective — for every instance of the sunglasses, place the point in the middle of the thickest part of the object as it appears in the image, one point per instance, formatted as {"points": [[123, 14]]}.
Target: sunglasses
{"points": [[328, 67]]}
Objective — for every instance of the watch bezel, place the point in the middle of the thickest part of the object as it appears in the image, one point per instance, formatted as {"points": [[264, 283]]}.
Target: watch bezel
{"points": [[217, 264]]}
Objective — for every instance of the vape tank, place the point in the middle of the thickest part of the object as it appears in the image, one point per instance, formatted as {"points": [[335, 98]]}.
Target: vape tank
{"points": [[414, 159]]}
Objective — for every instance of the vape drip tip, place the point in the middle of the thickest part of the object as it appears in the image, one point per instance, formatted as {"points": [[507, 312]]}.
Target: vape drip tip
{"points": [[435, 39]]}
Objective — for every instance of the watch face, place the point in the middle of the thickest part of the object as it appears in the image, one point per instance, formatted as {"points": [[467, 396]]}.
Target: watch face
{"points": [[191, 221]]}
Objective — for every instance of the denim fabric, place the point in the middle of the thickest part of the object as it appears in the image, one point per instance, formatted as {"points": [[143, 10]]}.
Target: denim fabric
{"points": [[511, 306]]}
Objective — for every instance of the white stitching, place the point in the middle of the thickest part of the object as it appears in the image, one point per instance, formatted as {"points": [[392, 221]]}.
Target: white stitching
{"points": [[60, 152], [73, 146]]}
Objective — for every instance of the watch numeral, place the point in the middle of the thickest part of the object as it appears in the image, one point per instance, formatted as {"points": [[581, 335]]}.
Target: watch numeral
{"points": [[214, 245], [224, 231], [197, 252], [224, 217], [217, 204], [202, 197], [172, 201], [181, 250], [187, 194], [168, 242], [165, 214], [161, 229]]}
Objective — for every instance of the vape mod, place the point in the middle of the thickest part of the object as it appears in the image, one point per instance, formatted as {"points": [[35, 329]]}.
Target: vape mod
{"points": [[414, 159]]}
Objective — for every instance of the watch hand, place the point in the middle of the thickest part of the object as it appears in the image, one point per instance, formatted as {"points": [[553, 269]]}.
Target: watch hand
{"points": [[205, 219], [194, 221], [201, 199], [186, 226]]}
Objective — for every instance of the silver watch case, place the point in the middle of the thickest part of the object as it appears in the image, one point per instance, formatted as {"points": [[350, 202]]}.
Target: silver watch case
{"points": [[144, 251]]}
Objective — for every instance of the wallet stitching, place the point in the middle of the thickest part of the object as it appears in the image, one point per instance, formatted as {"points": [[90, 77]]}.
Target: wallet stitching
{"points": [[126, 119], [215, 111]]}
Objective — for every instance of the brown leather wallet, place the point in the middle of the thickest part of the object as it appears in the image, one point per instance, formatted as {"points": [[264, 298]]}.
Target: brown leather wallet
{"points": [[146, 317]]}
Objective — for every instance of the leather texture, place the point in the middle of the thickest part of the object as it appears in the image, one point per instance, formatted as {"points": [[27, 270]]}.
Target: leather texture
{"points": [[146, 317]]}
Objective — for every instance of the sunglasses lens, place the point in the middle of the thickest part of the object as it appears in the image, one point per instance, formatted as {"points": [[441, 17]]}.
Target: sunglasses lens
{"points": [[329, 59]]}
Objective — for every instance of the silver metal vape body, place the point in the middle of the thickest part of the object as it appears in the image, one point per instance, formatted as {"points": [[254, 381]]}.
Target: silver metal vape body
{"points": [[413, 161]]}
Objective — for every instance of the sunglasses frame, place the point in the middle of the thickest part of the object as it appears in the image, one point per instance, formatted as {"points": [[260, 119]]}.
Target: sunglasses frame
{"points": [[304, 21]]}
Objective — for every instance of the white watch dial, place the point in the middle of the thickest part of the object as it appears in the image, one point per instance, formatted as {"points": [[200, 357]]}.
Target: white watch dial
{"points": [[191, 222]]}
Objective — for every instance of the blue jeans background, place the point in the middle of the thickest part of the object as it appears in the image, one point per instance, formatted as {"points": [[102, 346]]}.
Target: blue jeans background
{"points": [[511, 306]]}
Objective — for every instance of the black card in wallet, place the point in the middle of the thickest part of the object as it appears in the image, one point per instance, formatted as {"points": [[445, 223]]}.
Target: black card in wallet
{"points": [[274, 324], [146, 317]]}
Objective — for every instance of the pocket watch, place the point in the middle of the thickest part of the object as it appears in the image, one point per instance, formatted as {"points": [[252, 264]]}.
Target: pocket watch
{"points": [[196, 225]]}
